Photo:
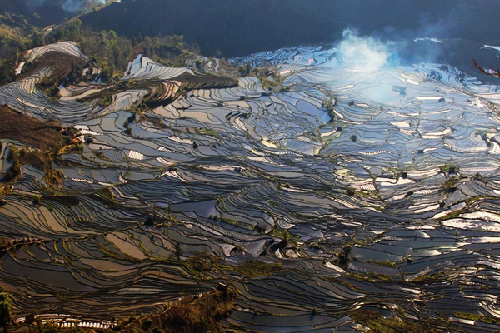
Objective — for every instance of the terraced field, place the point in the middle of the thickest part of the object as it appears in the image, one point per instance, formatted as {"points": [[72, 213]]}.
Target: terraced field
{"points": [[383, 202]]}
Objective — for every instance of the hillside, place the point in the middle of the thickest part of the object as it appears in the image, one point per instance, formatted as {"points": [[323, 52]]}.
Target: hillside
{"points": [[42, 13], [237, 28]]}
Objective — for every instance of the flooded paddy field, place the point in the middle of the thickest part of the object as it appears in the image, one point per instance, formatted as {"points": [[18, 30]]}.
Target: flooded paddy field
{"points": [[384, 202]]}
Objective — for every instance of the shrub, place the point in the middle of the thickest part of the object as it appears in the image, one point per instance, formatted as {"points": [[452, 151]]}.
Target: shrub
{"points": [[5, 304]]}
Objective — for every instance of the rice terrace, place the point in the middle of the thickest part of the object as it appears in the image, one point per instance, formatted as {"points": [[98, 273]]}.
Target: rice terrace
{"points": [[199, 180]]}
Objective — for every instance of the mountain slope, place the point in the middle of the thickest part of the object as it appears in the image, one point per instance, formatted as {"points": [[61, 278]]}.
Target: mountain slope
{"points": [[242, 27]]}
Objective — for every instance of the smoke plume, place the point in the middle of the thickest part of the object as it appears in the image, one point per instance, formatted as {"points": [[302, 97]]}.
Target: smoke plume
{"points": [[362, 53]]}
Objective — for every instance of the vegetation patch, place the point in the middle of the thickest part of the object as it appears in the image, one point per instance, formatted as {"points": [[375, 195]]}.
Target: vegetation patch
{"points": [[379, 324], [270, 77], [450, 185], [201, 314], [477, 317], [47, 139], [197, 266], [254, 268], [106, 101], [45, 136], [384, 263], [430, 278], [65, 69], [371, 277], [449, 168]]}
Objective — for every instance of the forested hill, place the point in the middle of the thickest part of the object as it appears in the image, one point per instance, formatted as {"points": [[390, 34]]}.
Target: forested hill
{"points": [[42, 13], [236, 27], [35, 13]]}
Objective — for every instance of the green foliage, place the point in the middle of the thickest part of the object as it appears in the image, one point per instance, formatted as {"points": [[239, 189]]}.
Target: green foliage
{"points": [[178, 251], [384, 263], [12, 153], [15, 168], [245, 70], [449, 168], [379, 324], [344, 256], [255, 268], [329, 103], [107, 194], [450, 184], [100, 154], [5, 305], [477, 317], [199, 315], [350, 191], [7, 66], [284, 234], [221, 200], [146, 324], [50, 86], [270, 77], [430, 278], [166, 49], [207, 131], [106, 101]]}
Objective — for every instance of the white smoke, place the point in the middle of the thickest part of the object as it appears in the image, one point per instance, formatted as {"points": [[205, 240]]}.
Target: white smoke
{"points": [[362, 53]]}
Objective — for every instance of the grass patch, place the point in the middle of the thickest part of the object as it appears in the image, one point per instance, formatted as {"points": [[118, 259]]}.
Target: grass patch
{"points": [[284, 234], [197, 266], [452, 215], [379, 324], [209, 132], [191, 314], [106, 193], [254, 268], [106, 101], [477, 317], [449, 168], [270, 77], [371, 277], [430, 278], [386, 263], [450, 185]]}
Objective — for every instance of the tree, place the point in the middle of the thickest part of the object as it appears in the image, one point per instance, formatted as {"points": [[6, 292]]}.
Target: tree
{"points": [[140, 39], [179, 41], [155, 45], [74, 28], [5, 303], [30, 319]]}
